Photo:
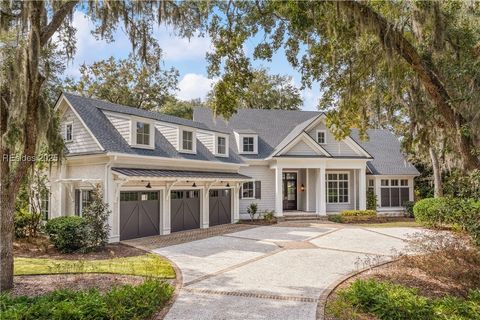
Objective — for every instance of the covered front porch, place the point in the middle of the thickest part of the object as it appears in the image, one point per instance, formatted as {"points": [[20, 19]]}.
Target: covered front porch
{"points": [[319, 186]]}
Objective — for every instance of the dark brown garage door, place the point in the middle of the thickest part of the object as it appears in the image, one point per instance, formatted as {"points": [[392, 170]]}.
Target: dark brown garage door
{"points": [[220, 207], [185, 210], [139, 214]]}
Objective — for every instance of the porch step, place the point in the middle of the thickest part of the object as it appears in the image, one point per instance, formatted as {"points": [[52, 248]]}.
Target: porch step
{"points": [[296, 217]]}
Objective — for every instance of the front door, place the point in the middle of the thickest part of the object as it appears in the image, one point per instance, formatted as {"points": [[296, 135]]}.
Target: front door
{"points": [[289, 191]]}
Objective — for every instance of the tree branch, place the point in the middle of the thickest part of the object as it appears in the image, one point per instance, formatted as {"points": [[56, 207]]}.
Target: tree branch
{"points": [[57, 20]]}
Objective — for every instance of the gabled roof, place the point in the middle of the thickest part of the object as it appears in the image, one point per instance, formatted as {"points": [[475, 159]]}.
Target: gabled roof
{"points": [[90, 111]]}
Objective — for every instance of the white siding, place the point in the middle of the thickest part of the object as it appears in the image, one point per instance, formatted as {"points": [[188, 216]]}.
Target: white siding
{"points": [[123, 126], [82, 140], [333, 146], [301, 149], [169, 132], [267, 177], [207, 139]]}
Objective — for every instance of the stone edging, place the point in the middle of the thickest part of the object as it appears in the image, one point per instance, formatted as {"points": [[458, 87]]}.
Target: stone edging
{"points": [[322, 300], [178, 286]]}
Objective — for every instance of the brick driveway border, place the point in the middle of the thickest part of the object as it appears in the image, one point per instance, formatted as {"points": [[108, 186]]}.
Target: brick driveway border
{"points": [[155, 242]]}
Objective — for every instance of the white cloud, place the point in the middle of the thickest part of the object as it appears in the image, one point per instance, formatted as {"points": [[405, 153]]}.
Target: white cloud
{"points": [[194, 86], [176, 48], [310, 97]]}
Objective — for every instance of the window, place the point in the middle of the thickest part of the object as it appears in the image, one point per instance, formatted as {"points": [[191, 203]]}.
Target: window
{"points": [[221, 145], [248, 190], [143, 133], [83, 198], [68, 132], [44, 205], [394, 192], [128, 196], [147, 196], [321, 136], [248, 144], [371, 185], [337, 187], [187, 140]]}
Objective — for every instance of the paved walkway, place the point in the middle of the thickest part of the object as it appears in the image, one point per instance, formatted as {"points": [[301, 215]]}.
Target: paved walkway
{"points": [[273, 272]]}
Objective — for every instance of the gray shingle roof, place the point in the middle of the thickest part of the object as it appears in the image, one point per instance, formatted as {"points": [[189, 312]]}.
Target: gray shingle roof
{"points": [[160, 173], [385, 148], [111, 140]]}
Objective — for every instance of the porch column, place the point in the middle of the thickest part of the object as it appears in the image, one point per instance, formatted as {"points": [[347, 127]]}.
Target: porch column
{"points": [[165, 228], [205, 214], [278, 192], [321, 192], [362, 185], [236, 202]]}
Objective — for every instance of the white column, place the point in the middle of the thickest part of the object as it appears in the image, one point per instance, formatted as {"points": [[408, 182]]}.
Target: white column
{"points": [[378, 190], [411, 185], [165, 221], [278, 192], [307, 191], [236, 202], [362, 189], [322, 193], [355, 189], [205, 216]]}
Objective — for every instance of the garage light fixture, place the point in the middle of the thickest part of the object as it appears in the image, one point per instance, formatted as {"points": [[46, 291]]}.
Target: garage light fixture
{"points": [[194, 185], [228, 185], [148, 186]]}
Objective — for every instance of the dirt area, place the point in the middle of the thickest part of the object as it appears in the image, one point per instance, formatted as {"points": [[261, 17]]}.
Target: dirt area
{"points": [[42, 284], [257, 222], [42, 248]]}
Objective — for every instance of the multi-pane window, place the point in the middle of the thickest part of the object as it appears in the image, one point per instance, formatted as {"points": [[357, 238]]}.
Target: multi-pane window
{"points": [[83, 198], [321, 137], [45, 205], [394, 192], [187, 140], [143, 133], [337, 187], [69, 132], [248, 190], [371, 185], [221, 145], [248, 144]]}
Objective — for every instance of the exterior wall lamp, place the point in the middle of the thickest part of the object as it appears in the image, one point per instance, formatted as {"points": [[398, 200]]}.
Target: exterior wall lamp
{"points": [[302, 188]]}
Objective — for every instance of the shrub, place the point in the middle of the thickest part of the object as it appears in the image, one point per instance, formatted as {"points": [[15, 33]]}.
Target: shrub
{"points": [[464, 186], [126, 302], [68, 233], [358, 213], [27, 224], [433, 212], [268, 216], [371, 200], [409, 208], [252, 210], [335, 218], [96, 218]]}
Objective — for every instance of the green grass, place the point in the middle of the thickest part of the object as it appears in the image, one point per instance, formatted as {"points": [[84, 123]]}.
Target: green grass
{"points": [[394, 224], [148, 265]]}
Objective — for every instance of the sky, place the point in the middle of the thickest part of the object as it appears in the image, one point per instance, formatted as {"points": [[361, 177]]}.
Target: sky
{"points": [[186, 55]]}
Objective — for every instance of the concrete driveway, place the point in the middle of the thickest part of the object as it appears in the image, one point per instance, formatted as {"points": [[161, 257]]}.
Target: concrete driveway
{"points": [[273, 272]]}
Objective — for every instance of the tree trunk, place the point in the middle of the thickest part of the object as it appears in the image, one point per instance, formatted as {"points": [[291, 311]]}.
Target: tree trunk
{"points": [[395, 40], [437, 174], [7, 208]]}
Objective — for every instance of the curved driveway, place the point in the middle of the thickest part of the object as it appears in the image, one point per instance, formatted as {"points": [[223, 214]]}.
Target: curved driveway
{"points": [[273, 272]]}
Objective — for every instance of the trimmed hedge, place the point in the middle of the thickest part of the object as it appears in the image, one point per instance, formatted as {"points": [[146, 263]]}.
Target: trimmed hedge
{"points": [[120, 303], [358, 213], [347, 216], [448, 212], [390, 301], [68, 233]]}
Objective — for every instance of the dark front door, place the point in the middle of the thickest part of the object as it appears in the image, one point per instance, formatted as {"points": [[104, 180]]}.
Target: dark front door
{"points": [[139, 214], [185, 210], [289, 191], [220, 207]]}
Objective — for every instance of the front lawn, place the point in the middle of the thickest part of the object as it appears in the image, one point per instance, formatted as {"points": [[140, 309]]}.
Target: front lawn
{"points": [[148, 265]]}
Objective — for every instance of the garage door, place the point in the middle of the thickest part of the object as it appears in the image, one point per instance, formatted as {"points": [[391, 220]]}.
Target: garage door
{"points": [[185, 210], [220, 207], [139, 214]]}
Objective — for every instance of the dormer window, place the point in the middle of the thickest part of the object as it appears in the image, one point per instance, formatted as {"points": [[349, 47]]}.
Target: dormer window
{"points": [[221, 145], [143, 133], [187, 141], [68, 132], [321, 136], [248, 144]]}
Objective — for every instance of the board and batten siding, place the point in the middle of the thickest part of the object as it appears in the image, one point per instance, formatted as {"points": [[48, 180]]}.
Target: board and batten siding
{"points": [[207, 139], [122, 125], [82, 140], [333, 146], [267, 177], [169, 132], [301, 149]]}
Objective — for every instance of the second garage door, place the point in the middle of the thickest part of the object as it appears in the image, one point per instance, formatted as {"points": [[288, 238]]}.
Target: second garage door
{"points": [[185, 210], [220, 207]]}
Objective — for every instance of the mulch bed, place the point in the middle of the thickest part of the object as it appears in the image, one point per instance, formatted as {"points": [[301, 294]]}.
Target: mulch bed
{"points": [[42, 248], [374, 220], [257, 222], [41, 284]]}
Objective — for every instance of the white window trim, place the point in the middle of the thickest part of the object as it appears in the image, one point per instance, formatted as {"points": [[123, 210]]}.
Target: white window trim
{"points": [[80, 204], [408, 186], [227, 145], [241, 191], [255, 143], [69, 123], [324, 135], [348, 186], [180, 140], [133, 134]]}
